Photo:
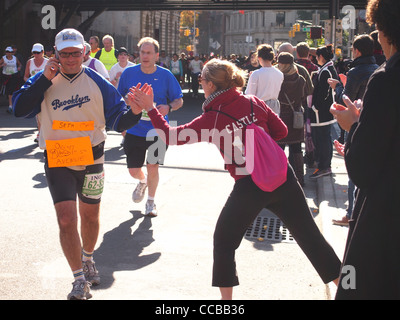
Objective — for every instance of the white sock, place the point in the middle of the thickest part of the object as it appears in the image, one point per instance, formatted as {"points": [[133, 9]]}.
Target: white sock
{"points": [[78, 274], [150, 198], [144, 180], [87, 255]]}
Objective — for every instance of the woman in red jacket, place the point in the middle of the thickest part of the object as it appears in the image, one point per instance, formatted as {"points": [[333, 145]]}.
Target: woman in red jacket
{"points": [[221, 81]]}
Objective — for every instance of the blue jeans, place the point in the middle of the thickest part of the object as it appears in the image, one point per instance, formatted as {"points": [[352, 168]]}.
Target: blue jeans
{"points": [[350, 193], [322, 140]]}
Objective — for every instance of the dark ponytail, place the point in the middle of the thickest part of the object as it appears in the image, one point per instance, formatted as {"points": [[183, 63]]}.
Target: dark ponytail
{"points": [[326, 52]]}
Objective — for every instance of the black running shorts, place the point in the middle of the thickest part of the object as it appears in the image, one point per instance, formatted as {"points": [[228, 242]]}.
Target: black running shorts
{"points": [[135, 148], [65, 184]]}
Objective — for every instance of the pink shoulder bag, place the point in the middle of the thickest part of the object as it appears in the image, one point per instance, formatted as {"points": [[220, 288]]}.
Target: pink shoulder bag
{"points": [[266, 162]]}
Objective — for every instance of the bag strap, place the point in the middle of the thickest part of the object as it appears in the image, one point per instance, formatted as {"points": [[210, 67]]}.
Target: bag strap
{"points": [[228, 115], [290, 104], [232, 117]]}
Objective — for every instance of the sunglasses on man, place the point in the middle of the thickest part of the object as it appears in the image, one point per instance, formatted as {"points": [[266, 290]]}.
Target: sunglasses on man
{"points": [[64, 55]]}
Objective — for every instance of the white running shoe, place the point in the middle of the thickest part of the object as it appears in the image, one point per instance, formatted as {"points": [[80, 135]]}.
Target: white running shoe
{"points": [[151, 209], [91, 273], [138, 193], [80, 290]]}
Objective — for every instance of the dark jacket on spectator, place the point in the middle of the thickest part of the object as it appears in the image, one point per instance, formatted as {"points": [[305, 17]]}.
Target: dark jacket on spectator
{"points": [[357, 79], [293, 86], [322, 96], [372, 156]]}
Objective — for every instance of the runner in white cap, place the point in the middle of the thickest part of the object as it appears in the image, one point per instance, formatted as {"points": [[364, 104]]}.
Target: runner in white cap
{"points": [[11, 67], [37, 62], [75, 105], [33, 66]]}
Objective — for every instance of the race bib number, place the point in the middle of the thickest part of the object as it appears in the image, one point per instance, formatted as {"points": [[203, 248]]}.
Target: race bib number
{"points": [[69, 152], [9, 70], [73, 126], [93, 185], [145, 116]]}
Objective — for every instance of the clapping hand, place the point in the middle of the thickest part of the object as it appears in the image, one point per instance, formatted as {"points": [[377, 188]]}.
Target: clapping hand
{"points": [[141, 97], [346, 116], [339, 147], [333, 83]]}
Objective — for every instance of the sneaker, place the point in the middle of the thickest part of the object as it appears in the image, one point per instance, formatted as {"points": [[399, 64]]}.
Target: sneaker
{"points": [[138, 194], [9, 110], [80, 290], [151, 209], [320, 173], [90, 272]]}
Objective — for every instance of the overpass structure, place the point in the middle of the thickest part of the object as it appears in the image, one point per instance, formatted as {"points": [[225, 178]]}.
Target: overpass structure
{"points": [[125, 5], [67, 10], [99, 6]]}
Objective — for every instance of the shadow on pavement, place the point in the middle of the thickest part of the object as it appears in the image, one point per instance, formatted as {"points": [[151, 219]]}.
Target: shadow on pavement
{"points": [[121, 249], [23, 152]]}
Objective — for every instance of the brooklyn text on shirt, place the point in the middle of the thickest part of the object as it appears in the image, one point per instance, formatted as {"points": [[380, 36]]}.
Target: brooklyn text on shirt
{"points": [[76, 101]]}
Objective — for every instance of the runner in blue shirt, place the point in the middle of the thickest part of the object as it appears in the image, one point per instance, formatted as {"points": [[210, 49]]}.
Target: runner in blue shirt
{"points": [[142, 137]]}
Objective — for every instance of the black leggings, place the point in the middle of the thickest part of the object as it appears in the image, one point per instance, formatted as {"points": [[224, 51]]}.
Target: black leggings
{"points": [[288, 202]]}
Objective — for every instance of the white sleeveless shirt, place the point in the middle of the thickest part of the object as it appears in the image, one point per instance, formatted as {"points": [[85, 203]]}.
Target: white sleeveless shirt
{"points": [[10, 66], [33, 69]]}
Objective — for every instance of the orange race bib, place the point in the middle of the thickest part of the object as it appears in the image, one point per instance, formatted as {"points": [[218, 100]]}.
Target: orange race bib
{"points": [[73, 126], [69, 152]]}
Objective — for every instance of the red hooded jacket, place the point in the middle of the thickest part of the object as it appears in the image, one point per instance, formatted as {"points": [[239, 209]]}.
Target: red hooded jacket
{"points": [[221, 130]]}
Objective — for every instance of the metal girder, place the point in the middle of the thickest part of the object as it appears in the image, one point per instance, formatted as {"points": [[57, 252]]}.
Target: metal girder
{"points": [[137, 5]]}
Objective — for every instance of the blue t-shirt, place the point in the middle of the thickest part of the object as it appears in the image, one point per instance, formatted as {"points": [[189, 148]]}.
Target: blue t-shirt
{"points": [[165, 87]]}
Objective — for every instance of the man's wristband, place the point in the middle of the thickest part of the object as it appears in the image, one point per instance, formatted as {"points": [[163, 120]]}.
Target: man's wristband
{"points": [[170, 107]]}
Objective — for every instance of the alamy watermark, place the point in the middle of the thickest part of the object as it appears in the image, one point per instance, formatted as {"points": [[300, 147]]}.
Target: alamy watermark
{"points": [[349, 20], [349, 277], [49, 20], [228, 141]]}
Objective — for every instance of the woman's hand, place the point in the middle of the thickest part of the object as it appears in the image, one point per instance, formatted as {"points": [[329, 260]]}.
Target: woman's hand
{"points": [[346, 117], [333, 83], [339, 147], [141, 98]]}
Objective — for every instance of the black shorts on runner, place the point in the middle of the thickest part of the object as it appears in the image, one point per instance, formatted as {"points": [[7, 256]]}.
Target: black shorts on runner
{"points": [[65, 184], [135, 148], [12, 83]]}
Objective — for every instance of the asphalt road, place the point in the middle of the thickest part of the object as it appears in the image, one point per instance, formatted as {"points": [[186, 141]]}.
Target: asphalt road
{"points": [[164, 258]]}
